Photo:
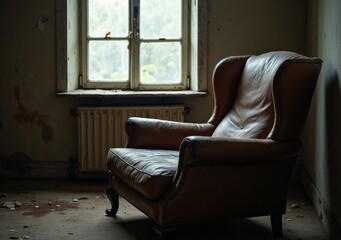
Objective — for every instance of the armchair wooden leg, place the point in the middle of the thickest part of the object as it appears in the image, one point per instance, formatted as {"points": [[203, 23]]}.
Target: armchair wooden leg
{"points": [[165, 233], [276, 224], [113, 198]]}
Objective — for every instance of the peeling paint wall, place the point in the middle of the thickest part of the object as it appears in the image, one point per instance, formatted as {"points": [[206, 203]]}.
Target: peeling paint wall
{"points": [[36, 125], [37, 130]]}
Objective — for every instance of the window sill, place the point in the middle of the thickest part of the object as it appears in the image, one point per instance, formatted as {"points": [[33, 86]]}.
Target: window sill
{"points": [[123, 93]]}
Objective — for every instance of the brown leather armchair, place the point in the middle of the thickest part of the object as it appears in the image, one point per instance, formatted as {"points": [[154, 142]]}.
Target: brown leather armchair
{"points": [[236, 165]]}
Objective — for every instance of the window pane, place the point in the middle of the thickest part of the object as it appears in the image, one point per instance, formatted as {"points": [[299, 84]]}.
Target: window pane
{"points": [[108, 61], [160, 63], [108, 16], [160, 19]]}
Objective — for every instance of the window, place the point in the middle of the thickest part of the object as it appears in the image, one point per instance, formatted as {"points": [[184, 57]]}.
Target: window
{"points": [[133, 45]]}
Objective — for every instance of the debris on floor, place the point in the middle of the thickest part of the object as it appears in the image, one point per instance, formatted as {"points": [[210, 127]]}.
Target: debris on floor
{"points": [[74, 199], [17, 237], [14, 234], [295, 205], [83, 198], [298, 209], [11, 204], [59, 218]]}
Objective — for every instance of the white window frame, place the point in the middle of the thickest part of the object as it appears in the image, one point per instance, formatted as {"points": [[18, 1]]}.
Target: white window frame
{"points": [[134, 76], [69, 72]]}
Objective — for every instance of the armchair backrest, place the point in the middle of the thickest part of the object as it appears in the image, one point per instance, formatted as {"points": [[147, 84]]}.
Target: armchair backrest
{"points": [[265, 96]]}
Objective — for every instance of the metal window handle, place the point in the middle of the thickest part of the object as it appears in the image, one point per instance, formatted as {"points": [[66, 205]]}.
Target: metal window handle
{"points": [[135, 26], [130, 37]]}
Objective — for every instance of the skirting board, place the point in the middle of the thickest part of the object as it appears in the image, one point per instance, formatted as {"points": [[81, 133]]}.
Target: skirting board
{"points": [[50, 170], [37, 170], [321, 207]]}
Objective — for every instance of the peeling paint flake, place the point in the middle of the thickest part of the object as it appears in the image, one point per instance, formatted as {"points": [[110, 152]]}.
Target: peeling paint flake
{"points": [[42, 23]]}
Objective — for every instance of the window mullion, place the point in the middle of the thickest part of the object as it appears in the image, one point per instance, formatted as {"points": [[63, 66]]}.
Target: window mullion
{"points": [[135, 43], [84, 43], [185, 43]]}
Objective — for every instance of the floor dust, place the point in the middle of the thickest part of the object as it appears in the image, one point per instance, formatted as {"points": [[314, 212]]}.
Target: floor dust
{"points": [[53, 210]]}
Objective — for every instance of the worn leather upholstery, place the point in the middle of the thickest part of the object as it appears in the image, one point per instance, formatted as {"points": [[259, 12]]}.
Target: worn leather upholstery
{"points": [[150, 172], [239, 163]]}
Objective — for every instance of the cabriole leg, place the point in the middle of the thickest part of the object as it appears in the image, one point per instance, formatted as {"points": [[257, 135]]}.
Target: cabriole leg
{"points": [[113, 198]]}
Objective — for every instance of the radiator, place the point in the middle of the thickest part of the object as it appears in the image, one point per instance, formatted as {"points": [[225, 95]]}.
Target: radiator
{"points": [[101, 128]]}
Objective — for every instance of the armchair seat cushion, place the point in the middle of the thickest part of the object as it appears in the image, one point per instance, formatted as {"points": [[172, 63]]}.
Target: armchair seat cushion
{"points": [[148, 171]]}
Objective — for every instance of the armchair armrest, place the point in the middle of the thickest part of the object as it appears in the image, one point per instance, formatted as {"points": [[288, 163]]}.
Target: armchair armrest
{"points": [[156, 133], [205, 151]]}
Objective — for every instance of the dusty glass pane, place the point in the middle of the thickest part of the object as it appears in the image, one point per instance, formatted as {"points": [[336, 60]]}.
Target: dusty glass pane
{"points": [[108, 61], [160, 63], [160, 19], [108, 17]]}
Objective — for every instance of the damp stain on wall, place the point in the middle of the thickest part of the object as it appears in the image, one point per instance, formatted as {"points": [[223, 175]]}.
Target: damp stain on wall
{"points": [[32, 118], [23, 115]]}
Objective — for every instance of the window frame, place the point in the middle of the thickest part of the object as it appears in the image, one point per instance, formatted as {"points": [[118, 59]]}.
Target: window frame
{"points": [[68, 23], [133, 82]]}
